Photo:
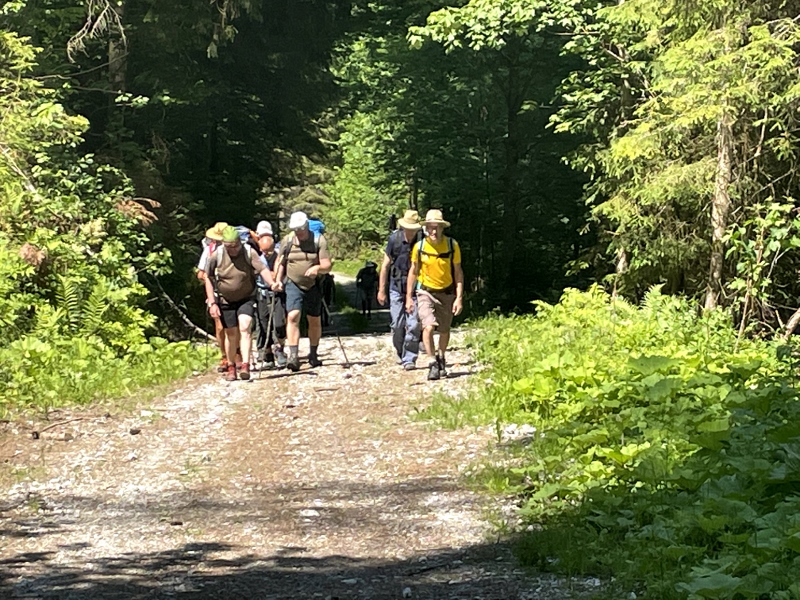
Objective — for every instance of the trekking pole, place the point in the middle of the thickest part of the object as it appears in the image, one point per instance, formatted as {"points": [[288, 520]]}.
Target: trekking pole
{"points": [[268, 335], [206, 336], [336, 330]]}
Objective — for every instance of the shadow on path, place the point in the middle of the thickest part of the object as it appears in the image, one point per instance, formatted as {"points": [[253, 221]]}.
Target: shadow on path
{"points": [[217, 571]]}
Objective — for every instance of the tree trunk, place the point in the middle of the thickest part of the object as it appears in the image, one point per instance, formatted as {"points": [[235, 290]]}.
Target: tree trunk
{"points": [[792, 324], [514, 96], [720, 209]]}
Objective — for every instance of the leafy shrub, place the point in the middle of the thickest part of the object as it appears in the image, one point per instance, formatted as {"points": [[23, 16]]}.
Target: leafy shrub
{"points": [[45, 375], [667, 452]]}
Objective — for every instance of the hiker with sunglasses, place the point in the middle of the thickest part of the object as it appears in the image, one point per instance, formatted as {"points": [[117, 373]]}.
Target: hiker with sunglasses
{"points": [[230, 284], [436, 280]]}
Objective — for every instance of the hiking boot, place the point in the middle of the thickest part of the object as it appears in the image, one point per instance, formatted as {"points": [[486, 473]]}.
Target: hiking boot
{"points": [[280, 358], [231, 374], [223, 366], [268, 362], [244, 372], [442, 366], [314, 361], [409, 366], [433, 371], [293, 364]]}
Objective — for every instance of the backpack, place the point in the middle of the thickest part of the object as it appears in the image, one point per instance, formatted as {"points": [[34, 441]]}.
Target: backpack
{"points": [[448, 255], [247, 238], [283, 255], [396, 273], [368, 276], [317, 227]]}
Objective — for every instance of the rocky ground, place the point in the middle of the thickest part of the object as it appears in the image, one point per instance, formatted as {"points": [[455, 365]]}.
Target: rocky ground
{"points": [[318, 484]]}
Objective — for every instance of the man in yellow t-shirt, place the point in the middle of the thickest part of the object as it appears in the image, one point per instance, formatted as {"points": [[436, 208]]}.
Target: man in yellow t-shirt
{"points": [[437, 280]]}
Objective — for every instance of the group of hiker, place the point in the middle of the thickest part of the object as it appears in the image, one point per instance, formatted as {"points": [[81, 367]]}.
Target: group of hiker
{"points": [[249, 277]]}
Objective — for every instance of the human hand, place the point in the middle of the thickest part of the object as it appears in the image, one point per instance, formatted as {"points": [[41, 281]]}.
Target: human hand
{"points": [[312, 271], [409, 305], [214, 311], [276, 286], [458, 306], [382, 298]]}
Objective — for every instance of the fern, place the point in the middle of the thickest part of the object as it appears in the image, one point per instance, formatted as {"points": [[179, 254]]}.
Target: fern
{"points": [[49, 321], [94, 309], [68, 299]]}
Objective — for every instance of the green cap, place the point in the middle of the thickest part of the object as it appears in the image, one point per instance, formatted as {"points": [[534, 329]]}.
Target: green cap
{"points": [[229, 234]]}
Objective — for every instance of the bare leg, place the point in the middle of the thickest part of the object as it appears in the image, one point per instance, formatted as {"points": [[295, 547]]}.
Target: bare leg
{"points": [[444, 339], [427, 341], [219, 333], [293, 328], [314, 330], [245, 336], [231, 343]]}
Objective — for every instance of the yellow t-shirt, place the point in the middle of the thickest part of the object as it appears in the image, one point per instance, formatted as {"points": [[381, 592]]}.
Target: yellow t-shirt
{"points": [[434, 272]]}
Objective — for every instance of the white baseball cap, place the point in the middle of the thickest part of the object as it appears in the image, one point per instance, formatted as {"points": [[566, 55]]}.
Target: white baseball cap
{"points": [[298, 220], [264, 228]]}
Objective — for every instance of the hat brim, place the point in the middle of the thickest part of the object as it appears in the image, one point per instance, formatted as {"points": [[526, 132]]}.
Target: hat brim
{"points": [[436, 222], [408, 224], [215, 235]]}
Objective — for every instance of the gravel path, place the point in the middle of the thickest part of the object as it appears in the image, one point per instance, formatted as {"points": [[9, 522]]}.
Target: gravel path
{"points": [[313, 485]]}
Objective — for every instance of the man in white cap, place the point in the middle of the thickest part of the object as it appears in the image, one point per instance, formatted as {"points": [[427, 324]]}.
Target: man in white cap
{"points": [[303, 258], [270, 306], [436, 278], [394, 273]]}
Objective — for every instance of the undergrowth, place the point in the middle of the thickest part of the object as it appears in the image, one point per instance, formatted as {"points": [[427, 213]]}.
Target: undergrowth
{"points": [[48, 374], [666, 456]]}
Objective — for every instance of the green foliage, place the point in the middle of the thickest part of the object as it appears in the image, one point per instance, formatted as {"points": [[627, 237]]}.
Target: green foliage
{"points": [[665, 453], [72, 243], [48, 374]]}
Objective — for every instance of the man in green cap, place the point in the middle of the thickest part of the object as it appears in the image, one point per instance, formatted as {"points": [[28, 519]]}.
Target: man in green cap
{"points": [[231, 295]]}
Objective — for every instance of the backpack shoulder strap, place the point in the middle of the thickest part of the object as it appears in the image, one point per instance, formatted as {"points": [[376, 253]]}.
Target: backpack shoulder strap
{"points": [[419, 251], [396, 241]]}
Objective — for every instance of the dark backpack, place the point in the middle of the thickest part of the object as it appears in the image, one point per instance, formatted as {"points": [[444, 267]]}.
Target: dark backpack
{"points": [[368, 276], [401, 261]]}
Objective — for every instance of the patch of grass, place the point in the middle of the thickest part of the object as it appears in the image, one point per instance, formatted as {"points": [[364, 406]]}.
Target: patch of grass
{"points": [[348, 266], [340, 298]]}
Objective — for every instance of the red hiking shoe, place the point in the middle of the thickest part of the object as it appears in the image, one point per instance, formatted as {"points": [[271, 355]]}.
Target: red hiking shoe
{"points": [[223, 366], [231, 374], [244, 372]]}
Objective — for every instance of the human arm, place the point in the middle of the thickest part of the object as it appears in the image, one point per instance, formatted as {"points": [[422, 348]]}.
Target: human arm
{"points": [[411, 283], [324, 258], [458, 304], [211, 298], [383, 279]]}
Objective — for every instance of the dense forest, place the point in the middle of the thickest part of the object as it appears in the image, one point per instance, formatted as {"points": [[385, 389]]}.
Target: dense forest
{"points": [[648, 147]]}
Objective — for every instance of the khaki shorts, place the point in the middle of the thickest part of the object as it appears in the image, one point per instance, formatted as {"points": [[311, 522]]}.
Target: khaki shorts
{"points": [[435, 308]]}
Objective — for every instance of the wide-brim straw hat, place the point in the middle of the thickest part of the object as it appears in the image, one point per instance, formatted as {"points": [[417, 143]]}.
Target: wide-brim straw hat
{"points": [[410, 220], [435, 217], [215, 233]]}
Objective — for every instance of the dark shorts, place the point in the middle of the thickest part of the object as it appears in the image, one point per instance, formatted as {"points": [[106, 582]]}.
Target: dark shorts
{"points": [[297, 299], [231, 312]]}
